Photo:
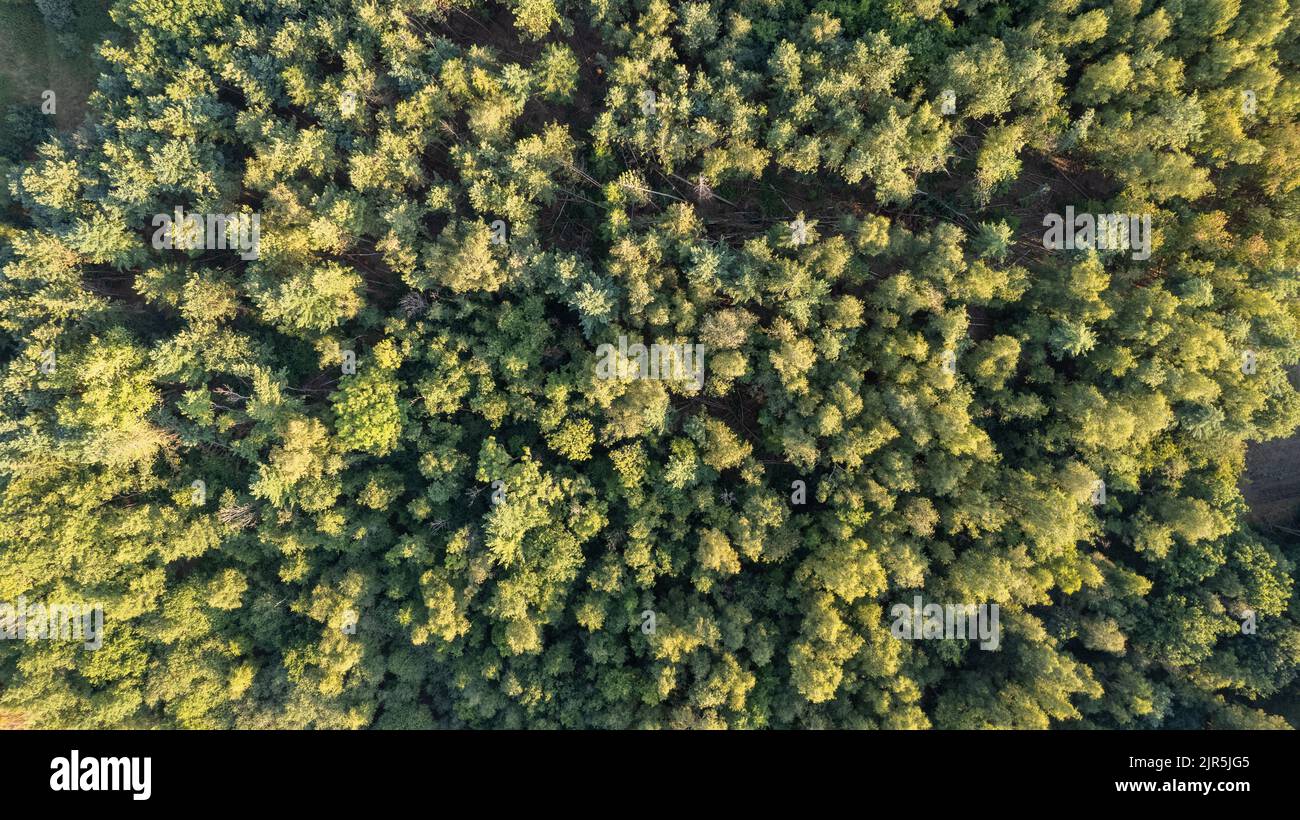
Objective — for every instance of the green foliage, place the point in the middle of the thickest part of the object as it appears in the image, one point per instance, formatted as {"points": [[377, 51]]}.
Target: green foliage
{"points": [[419, 503]]}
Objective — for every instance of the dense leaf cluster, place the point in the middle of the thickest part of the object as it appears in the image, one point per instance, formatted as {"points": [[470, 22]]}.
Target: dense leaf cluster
{"points": [[469, 526]]}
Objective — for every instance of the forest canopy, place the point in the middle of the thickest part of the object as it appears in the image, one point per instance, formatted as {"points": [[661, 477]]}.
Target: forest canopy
{"points": [[629, 363]]}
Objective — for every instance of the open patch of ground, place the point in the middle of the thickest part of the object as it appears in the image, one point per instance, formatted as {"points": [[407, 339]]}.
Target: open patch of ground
{"points": [[1271, 483], [35, 59]]}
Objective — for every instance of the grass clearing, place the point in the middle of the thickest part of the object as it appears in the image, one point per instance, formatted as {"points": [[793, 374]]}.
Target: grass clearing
{"points": [[33, 60]]}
